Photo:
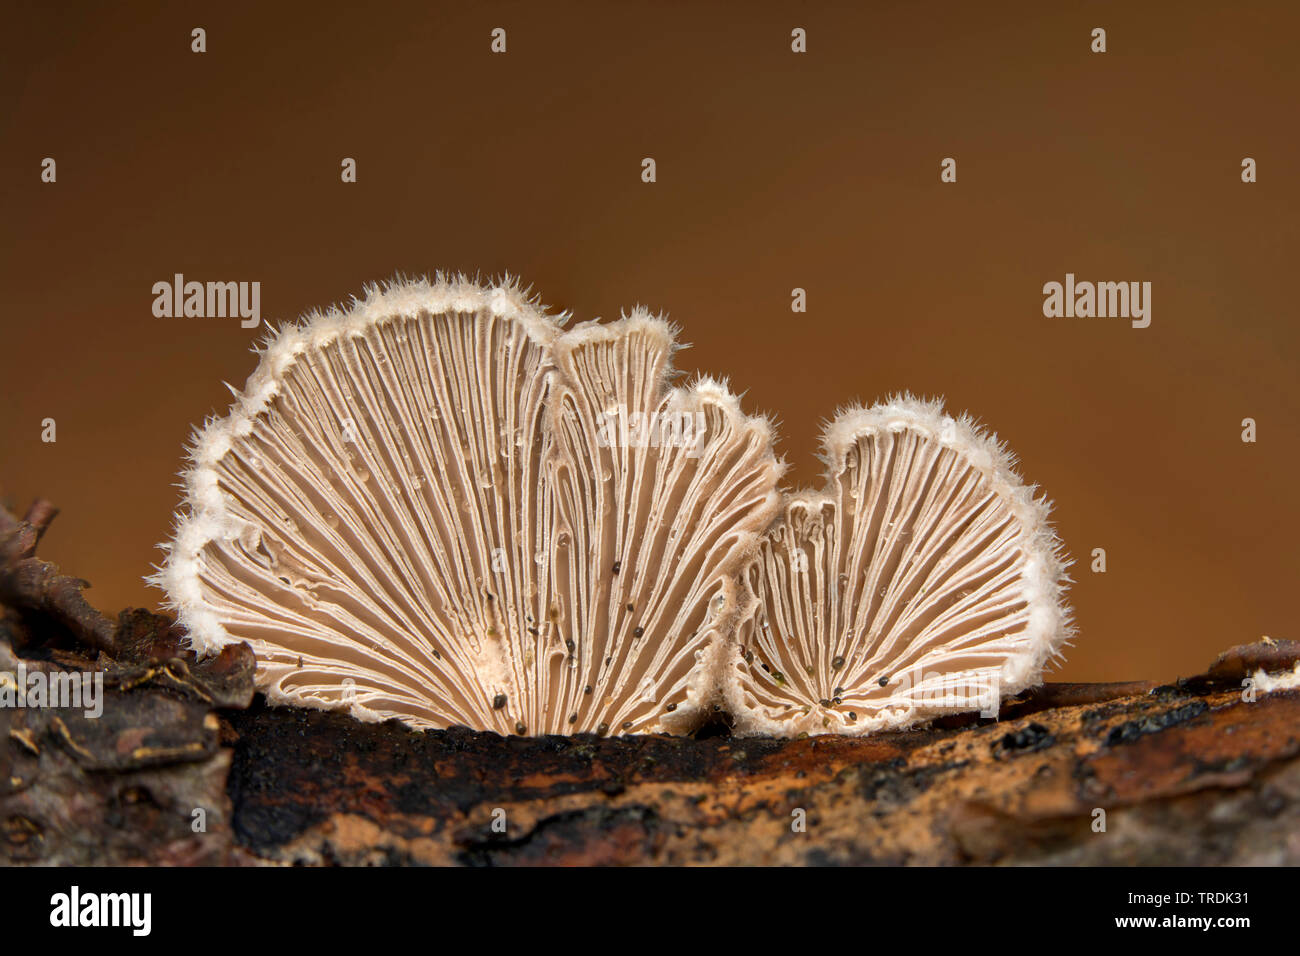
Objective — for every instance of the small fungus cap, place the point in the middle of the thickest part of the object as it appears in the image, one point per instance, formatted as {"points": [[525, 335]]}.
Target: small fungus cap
{"points": [[923, 579]]}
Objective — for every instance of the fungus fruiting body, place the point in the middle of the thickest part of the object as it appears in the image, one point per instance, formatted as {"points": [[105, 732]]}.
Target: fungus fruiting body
{"points": [[413, 508], [923, 579], [1269, 683], [440, 505], [660, 521]]}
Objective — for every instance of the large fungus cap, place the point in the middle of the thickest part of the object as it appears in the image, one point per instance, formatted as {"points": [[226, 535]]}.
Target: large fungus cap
{"points": [[414, 510], [923, 579]]}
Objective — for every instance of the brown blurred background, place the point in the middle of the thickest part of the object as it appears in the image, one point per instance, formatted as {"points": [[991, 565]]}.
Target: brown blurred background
{"points": [[775, 170]]}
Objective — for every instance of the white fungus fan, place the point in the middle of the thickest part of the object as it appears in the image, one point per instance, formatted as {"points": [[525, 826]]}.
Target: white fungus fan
{"points": [[924, 579], [408, 513]]}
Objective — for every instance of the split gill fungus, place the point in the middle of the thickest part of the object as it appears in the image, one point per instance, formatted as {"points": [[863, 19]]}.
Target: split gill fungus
{"points": [[441, 505]]}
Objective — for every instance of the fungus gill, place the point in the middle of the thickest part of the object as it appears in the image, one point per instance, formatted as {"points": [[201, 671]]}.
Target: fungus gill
{"points": [[922, 579], [440, 506], [417, 508]]}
